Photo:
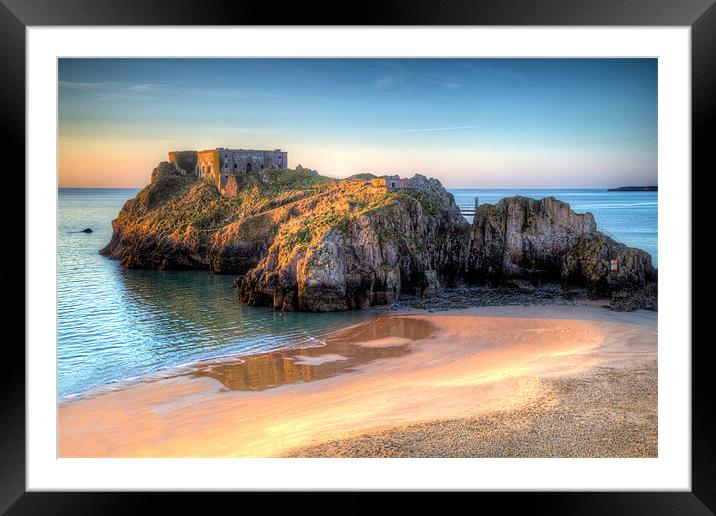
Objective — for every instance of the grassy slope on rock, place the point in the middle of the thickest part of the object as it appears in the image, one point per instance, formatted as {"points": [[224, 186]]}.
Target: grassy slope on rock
{"points": [[291, 208], [183, 202], [336, 207]]}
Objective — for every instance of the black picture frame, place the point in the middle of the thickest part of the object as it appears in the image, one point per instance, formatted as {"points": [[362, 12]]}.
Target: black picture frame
{"points": [[700, 15]]}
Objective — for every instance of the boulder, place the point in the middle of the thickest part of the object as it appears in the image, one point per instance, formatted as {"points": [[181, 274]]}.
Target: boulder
{"points": [[430, 284], [589, 263]]}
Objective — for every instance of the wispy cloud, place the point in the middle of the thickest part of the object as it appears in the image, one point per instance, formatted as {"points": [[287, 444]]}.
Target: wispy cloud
{"points": [[388, 80], [431, 129], [395, 75], [228, 93], [101, 91], [444, 81], [150, 91], [502, 73]]}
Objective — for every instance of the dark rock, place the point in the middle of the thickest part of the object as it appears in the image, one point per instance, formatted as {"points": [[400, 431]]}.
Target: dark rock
{"points": [[629, 300], [520, 241], [523, 238], [521, 285], [431, 285], [87, 230], [588, 264]]}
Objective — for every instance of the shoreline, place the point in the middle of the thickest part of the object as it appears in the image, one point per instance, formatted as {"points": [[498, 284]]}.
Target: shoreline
{"points": [[450, 299], [380, 375], [188, 368]]}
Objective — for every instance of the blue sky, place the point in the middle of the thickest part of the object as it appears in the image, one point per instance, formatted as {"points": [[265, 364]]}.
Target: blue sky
{"points": [[469, 122]]}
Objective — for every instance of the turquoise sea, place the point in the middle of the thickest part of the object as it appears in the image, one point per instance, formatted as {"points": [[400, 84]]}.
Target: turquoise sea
{"points": [[115, 325]]}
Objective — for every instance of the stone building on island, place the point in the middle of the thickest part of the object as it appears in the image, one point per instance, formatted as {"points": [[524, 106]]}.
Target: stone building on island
{"points": [[218, 165], [393, 183]]}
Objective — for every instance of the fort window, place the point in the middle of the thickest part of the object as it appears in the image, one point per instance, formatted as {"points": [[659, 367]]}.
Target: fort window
{"points": [[248, 167]]}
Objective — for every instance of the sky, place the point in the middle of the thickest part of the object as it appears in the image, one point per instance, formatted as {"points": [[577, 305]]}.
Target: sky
{"points": [[481, 123]]}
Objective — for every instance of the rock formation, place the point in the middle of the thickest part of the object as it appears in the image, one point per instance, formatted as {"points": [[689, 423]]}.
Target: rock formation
{"points": [[523, 238], [396, 244], [631, 286], [179, 222], [301, 241]]}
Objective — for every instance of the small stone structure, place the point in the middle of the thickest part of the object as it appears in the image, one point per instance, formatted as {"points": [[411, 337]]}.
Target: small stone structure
{"points": [[218, 165], [392, 183]]}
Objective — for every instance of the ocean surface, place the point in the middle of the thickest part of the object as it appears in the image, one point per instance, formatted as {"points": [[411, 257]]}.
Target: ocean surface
{"points": [[116, 325]]}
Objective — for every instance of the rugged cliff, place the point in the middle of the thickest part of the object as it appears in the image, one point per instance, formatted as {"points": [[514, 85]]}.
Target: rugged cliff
{"points": [[523, 238], [359, 247], [301, 241], [179, 222]]}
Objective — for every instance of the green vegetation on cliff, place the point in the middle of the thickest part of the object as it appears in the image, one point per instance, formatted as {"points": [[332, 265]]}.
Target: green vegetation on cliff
{"points": [[180, 221], [173, 202]]}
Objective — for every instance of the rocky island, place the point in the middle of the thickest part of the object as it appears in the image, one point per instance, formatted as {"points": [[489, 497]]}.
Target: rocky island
{"points": [[297, 240]]}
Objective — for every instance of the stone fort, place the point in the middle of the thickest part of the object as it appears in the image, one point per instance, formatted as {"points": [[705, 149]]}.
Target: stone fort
{"points": [[219, 166]]}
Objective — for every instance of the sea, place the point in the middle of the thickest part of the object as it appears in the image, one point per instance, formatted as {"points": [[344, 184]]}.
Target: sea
{"points": [[116, 325]]}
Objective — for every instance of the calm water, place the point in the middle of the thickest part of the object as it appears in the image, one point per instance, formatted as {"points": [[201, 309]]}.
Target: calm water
{"points": [[116, 324]]}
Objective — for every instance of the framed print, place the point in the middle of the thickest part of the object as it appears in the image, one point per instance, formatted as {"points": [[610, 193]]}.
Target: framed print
{"points": [[446, 251]]}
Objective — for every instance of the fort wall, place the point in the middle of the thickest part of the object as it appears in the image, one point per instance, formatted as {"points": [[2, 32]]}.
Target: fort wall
{"points": [[184, 160], [217, 165]]}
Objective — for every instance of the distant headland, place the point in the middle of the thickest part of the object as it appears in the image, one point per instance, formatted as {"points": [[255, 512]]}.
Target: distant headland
{"points": [[634, 189]]}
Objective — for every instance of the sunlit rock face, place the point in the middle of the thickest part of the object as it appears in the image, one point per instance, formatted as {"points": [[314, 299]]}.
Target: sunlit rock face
{"points": [[181, 222], [298, 240], [301, 241], [378, 251]]}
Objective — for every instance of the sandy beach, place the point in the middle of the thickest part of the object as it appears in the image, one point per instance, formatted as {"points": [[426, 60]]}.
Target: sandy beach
{"points": [[533, 381]]}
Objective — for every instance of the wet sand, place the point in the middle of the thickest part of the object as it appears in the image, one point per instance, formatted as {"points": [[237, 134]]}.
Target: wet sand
{"points": [[502, 381]]}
